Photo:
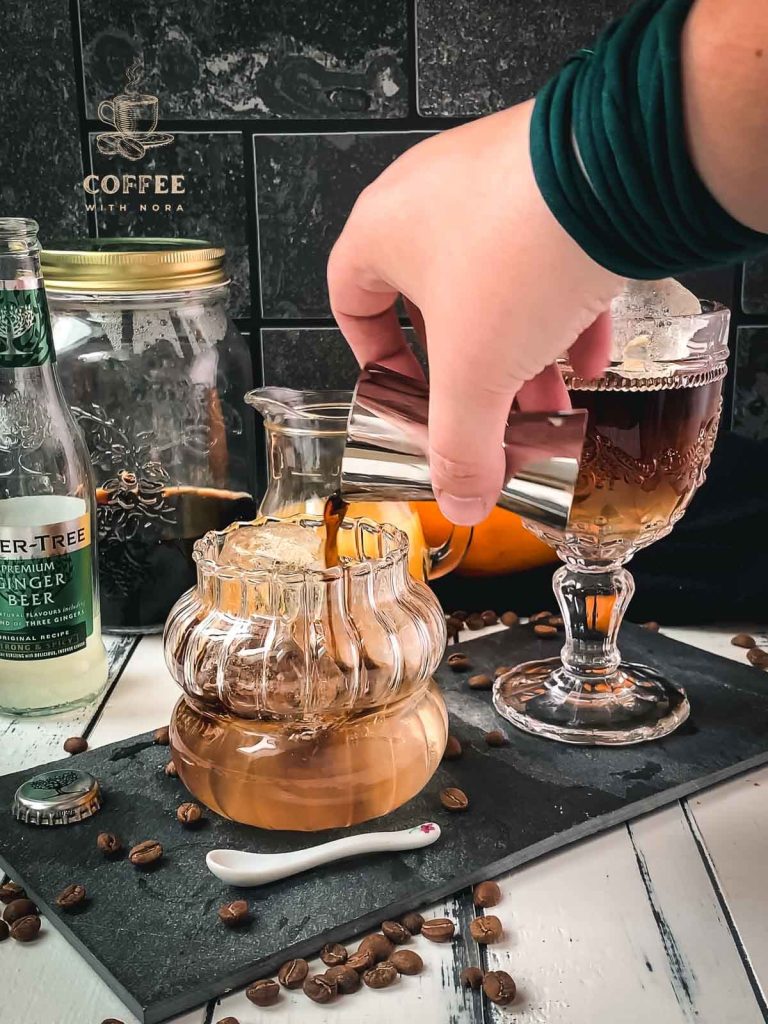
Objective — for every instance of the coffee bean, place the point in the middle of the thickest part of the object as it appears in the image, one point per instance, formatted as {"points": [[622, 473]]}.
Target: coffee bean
{"points": [[480, 682], [757, 657], [189, 813], [543, 630], [234, 914], [171, 770], [461, 615], [412, 921], [499, 987], [453, 627], [26, 928], [333, 953], [458, 662], [454, 799], [292, 973], [347, 979], [319, 988], [743, 640], [501, 671], [472, 977], [439, 929], [556, 620], [108, 843], [381, 976], [540, 617], [486, 894], [510, 618], [18, 909], [5, 931], [76, 745], [145, 853], [162, 736], [486, 930], [265, 992], [70, 897], [407, 962], [114, 1020], [475, 621], [490, 618], [453, 749], [396, 932], [228, 1020], [361, 960], [378, 945], [652, 627], [496, 738], [10, 891]]}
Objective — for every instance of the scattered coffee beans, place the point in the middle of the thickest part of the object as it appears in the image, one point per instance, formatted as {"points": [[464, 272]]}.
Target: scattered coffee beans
{"points": [[292, 973], [472, 977], [10, 891], [234, 914], [170, 770], [114, 1020], [757, 657], [108, 843], [361, 960], [556, 620], [475, 621], [453, 627], [499, 987], [26, 929], [510, 618], [501, 670], [17, 909], [265, 992], [148, 852], [76, 745], [486, 894], [189, 813], [541, 617], [162, 736], [381, 976], [439, 929], [347, 979], [652, 627], [743, 640], [490, 618], [377, 945], [542, 629], [496, 738], [480, 682], [333, 953], [454, 799], [486, 930], [319, 988], [412, 921], [461, 615], [458, 662], [396, 932], [228, 1020], [407, 962], [5, 931], [453, 749], [71, 897]]}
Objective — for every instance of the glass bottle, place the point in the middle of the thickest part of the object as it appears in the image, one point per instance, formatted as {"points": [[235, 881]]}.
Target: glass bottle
{"points": [[51, 652]]}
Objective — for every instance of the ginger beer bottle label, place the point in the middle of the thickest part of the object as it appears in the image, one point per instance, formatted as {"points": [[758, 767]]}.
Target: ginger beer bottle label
{"points": [[46, 593], [25, 329]]}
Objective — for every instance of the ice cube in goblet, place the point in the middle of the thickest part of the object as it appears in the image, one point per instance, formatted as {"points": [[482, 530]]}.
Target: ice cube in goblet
{"points": [[286, 546]]}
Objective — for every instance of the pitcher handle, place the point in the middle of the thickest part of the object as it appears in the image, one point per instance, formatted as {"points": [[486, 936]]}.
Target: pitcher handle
{"points": [[448, 555], [106, 112]]}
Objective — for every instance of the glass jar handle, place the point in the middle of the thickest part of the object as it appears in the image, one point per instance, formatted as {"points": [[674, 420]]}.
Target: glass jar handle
{"points": [[447, 556]]}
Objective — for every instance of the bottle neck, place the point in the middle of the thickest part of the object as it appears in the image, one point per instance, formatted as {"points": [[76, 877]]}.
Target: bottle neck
{"points": [[26, 338]]}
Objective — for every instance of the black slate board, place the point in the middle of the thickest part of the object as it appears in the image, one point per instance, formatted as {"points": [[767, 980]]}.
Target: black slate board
{"points": [[154, 937]]}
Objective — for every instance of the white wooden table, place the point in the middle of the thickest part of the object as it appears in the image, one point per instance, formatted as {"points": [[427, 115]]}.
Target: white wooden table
{"points": [[661, 921]]}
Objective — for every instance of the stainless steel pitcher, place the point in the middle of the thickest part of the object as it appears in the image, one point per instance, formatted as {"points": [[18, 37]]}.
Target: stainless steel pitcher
{"points": [[385, 457]]}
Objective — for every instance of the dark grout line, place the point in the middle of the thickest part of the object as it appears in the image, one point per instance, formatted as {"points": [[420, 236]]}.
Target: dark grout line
{"points": [[709, 867], [79, 72], [301, 126], [412, 60], [110, 690]]}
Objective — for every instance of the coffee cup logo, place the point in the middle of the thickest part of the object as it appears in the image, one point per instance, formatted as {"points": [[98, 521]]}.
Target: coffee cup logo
{"points": [[133, 116]]}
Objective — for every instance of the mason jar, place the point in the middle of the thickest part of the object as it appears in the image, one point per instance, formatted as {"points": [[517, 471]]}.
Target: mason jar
{"points": [[155, 373]]}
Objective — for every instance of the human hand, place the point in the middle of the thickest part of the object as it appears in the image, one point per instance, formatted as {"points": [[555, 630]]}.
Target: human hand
{"points": [[494, 286]]}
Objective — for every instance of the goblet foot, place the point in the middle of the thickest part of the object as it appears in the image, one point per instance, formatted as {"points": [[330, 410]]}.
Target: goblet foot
{"points": [[633, 704]]}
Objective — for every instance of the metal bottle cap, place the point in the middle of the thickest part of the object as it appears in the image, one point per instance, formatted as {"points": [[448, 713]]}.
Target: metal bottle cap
{"points": [[60, 797]]}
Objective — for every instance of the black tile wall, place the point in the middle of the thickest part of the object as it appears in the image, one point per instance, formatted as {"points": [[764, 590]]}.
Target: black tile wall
{"points": [[474, 57], [306, 186], [754, 288], [750, 402], [41, 164], [245, 59], [213, 205]]}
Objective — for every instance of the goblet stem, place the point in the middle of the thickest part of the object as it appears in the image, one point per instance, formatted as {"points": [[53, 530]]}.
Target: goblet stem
{"points": [[592, 604]]}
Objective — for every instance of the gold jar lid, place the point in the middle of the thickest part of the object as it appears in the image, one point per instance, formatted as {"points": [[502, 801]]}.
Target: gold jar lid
{"points": [[132, 265]]}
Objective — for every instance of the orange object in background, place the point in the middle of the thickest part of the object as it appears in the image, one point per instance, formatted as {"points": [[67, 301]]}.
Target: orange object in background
{"points": [[499, 545]]}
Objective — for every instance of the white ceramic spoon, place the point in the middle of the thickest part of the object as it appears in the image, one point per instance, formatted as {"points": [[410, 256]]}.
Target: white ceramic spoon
{"points": [[236, 867]]}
